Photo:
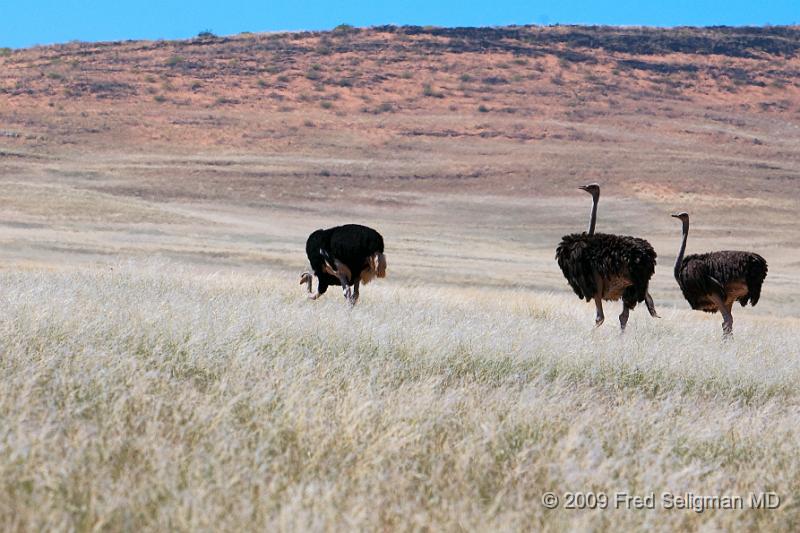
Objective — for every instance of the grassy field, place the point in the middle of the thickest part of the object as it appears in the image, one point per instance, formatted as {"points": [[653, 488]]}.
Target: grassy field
{"points": [[150, 397]]}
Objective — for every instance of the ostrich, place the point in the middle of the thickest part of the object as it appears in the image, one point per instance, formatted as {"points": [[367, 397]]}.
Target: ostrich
{"points": [[601, 266], [345, 255], [711, 282]]}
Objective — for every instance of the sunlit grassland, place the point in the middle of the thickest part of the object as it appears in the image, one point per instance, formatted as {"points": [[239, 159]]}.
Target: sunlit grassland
{"points": [[154, 397]]}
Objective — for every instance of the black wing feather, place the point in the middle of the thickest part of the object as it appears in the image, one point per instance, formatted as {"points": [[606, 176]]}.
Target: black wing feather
{"points": [[352, 244], [701, 275], [580, 255]]}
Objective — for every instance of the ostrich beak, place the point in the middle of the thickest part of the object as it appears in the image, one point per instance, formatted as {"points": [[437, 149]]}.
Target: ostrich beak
{"points": [[582, 187], [676, 215]]}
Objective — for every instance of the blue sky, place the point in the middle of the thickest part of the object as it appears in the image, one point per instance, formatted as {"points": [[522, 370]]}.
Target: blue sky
{"points": [[28, 22]]}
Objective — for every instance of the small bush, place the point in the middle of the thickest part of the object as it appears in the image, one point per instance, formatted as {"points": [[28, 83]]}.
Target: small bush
{"points": [[54, 75], [206, 34], [428, 90], [483, 109], [282, 79], [160, 98], [324, 47], [174, 61], [465, 78], [5, 52], [326, 104]]}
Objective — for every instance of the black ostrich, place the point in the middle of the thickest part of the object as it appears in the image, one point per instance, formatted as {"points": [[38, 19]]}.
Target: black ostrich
{"points": [[601, 266], [345, 255], [711, 282]]}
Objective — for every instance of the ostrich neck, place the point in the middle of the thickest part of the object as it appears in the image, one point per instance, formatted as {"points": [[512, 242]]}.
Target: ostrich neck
{"points": [[593, 219], [679, 259]]}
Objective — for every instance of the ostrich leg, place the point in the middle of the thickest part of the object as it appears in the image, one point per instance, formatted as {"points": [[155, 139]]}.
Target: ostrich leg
{"points": [[348, 293], [341, 271], [727, 317], [598, 299], [729, 320], [355, 291], [651, 307], [623, 316], [600, 317]]}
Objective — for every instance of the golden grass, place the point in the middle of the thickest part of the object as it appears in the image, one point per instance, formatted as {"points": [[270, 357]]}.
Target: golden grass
{"points": [[153, 397]]}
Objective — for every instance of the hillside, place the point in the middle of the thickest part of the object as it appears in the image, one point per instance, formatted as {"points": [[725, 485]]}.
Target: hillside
{"points": [[228, 151], [703, 101]]}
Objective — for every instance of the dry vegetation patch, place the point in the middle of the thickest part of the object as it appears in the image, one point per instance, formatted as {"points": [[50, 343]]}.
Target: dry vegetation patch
{"points": [[136, 398]]}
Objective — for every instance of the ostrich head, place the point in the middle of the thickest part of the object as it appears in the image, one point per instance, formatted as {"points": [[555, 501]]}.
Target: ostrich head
{"points": [[592, 188], [684, 216], [306, 279]]}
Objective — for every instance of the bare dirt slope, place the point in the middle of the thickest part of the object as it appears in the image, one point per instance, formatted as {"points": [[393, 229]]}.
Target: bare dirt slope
{"points": [[464, 146]]}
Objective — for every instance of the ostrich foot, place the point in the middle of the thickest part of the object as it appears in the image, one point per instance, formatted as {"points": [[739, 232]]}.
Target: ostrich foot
{"points": [[727, 330]]}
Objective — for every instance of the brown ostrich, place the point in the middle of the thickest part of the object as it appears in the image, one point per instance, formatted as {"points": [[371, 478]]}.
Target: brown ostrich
{"points": [[607, 267], [712, 281]]}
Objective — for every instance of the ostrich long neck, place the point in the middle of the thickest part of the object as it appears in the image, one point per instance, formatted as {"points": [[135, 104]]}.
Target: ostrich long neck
{"points": [[593, 219], [679, 259]]}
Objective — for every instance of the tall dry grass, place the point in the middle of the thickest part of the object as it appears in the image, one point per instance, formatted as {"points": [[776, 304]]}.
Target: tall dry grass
{"points": [[154, 398]]}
